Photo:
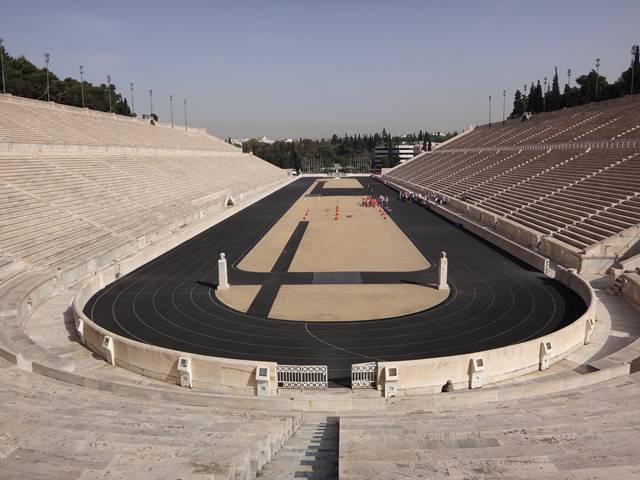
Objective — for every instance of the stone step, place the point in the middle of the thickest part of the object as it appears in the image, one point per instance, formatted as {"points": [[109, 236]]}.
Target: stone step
{"points": [[311, 453]]}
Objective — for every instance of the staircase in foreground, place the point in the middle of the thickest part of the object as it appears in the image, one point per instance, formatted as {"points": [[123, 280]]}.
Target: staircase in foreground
{"points": [[311, 453]]}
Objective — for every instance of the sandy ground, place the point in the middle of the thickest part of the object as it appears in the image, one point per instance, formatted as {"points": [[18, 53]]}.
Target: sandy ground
{"points": [[362, 240], [238, 297], [353, 302], [342, 183]]}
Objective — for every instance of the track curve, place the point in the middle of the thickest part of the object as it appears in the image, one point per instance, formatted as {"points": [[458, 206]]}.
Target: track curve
{"points": [[495, 299]]}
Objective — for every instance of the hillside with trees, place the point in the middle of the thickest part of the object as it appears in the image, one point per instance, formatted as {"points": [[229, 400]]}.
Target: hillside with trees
{"points": [[547, 96], [337, 149], [24, 79]]}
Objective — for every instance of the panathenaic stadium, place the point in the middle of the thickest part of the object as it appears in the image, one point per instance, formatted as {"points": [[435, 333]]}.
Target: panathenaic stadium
{"points": [[174, 308]]}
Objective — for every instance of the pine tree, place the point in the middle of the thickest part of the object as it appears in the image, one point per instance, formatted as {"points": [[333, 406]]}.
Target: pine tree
{"points": [[518, 105], [555, 97]]}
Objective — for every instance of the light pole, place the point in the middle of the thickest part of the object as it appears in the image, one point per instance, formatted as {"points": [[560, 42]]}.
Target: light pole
{"points": [[489, 111], [133, 110], [544, 96], [568, 95], [597, 76], [171, 106], [4, 86], [504, 103], [82, 84], [46, 61], [524, 99], [185, 113], [151, 101], [109, 90]]}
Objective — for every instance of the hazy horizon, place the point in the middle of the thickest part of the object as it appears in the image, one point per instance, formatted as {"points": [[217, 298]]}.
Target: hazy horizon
{"points": [[296, 69]]}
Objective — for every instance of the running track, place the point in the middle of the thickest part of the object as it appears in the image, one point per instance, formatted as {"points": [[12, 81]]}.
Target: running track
{"points": [[495, 300]]}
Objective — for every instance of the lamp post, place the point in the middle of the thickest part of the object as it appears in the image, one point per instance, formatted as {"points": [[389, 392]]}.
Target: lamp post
{"points": [[4, 86], [151, 100], [46, 61], [133, 110], [524, 98], [489, 111], [185, 114], [544, 96], [171, 106], [109, 90], [82, 84], [597, 76], [504, 103], [568, 95]]}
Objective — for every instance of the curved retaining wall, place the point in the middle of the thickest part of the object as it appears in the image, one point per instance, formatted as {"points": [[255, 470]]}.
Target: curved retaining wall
{"points": [[429, 375], [414, 376], [210, 373]]}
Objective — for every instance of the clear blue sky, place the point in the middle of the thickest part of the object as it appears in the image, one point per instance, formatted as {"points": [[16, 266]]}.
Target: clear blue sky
{"points": [[302, 68]]}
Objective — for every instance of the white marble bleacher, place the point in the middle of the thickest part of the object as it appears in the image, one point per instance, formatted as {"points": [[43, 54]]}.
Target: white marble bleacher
{"points": [[52, 430], [601, 121], [589, 433], [59, 207], [31, 121], [580, 194]]}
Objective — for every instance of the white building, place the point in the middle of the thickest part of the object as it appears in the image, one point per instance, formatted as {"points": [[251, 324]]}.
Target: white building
{"points": [[403, 152]]}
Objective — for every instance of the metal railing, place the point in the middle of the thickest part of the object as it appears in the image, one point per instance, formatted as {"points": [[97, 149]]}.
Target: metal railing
{"points": [[308, 377], [364, 375]]}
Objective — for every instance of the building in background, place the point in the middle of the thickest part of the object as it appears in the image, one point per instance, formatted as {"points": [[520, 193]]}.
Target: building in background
{"points": [[385, 156]]}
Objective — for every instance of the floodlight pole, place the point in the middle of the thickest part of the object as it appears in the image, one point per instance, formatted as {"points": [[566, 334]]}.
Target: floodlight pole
{"points": [[489, 111], [544, 96], [524, 99], [133, 110], [597, 76], [171, 106], [4, 86], [185, 114], [109, 90], [569, 78], [504, 100], [82, 84], [46, 61], [151, 101]]}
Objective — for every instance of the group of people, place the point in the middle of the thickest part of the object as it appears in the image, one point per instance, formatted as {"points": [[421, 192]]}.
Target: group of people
{"points": [[371, 201], [421, 199]]}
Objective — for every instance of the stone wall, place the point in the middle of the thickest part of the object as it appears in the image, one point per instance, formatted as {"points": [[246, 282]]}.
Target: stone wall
{"points": [[221, 375], [429, 375]]}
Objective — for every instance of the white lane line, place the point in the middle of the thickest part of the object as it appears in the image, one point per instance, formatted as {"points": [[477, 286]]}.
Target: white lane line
{"points": [[306, 328]]}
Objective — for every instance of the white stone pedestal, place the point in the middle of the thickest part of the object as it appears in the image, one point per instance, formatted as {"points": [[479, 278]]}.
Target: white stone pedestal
{"points": [[442, 272], [223, 282]]}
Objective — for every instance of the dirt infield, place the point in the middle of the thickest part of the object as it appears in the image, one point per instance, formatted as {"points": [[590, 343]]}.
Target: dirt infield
{"points": [[342, 183], [361, 239], [239, 297], [331, 303]]}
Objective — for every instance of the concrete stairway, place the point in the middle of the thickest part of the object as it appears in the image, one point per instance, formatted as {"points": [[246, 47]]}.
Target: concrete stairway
{"points": [[312, 452]]}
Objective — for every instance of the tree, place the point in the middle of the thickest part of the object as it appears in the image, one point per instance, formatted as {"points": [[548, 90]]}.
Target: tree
{"points": [[24, 79], [587, 90], [518, 105], [629, 81], [555, 98]]}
